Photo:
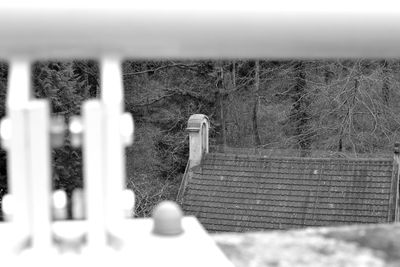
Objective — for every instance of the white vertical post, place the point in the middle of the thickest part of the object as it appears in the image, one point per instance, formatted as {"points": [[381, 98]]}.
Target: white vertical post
{"points": [[93, 158], [78, 204], [112, 99], [40, 173], [18, 157]]}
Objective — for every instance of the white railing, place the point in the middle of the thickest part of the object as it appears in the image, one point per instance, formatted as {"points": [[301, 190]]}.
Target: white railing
{"points": [[32, 30], [217, 29], [36, 217]]}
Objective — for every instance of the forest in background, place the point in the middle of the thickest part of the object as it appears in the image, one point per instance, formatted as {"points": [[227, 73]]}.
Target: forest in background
{"points": [[337, 108]]}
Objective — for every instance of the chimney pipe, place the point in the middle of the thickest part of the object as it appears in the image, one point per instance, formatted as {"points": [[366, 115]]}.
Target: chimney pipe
{"points": [[198, 128]]}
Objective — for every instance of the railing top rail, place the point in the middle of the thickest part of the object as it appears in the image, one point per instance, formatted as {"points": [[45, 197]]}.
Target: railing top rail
{"points": [[275, 29]]}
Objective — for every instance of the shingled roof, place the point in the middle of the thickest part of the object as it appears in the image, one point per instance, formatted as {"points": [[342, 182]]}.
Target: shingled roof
{"points": [[229, 192], [238, 192]]}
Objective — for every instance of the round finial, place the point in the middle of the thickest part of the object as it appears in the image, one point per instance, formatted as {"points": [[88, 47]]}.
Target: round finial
{"points": [[59, 199], [167, 218], [60, 202], [76, 130]]}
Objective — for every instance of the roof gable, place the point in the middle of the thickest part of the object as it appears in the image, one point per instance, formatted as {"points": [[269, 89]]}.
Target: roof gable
{"points": [[248, 192]]}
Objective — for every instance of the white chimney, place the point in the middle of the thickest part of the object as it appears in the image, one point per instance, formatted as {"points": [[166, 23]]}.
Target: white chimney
{"points": [[198, 126]]}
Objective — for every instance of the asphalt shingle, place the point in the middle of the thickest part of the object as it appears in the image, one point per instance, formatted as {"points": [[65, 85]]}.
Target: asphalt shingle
{"points": [[229, 192]]}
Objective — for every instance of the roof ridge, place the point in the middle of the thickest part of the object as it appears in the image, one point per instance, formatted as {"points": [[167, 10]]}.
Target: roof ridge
{"points": [[212, 154]]}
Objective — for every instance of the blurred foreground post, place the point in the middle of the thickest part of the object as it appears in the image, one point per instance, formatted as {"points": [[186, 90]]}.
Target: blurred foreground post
{"points": [[102, 230]]}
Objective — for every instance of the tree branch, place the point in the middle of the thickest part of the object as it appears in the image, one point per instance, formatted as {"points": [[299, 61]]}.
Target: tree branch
{"points": [[179, 65]]}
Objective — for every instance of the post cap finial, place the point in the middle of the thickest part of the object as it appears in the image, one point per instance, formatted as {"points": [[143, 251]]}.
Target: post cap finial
{"points": [[167, 218]]}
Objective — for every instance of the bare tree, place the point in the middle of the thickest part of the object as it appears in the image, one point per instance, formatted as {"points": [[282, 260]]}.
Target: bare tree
{"points": [[256, 99]]}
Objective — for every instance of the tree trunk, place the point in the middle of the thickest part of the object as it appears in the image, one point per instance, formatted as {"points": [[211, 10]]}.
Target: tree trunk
{"points": [[221, 105], [300, 110], [234, 74], [340, 145], [256, 134], [385, 85], [356, 84], [347, 122], [327, 75], [223, 122]]}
